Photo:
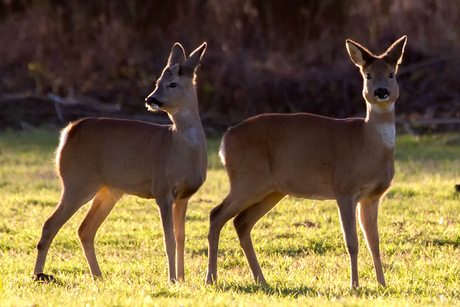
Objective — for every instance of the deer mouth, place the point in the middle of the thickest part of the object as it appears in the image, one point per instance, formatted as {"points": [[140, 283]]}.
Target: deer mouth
{"points": [[153, 104]]}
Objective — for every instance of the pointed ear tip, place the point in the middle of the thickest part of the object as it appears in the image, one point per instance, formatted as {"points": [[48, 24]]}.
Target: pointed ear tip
{"points": [[178, 46], [204, 46], [200, 50], [350, 43], [403, 39]]}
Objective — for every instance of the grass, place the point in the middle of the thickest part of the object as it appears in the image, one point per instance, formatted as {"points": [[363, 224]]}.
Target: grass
{"points": [[299, 243]]}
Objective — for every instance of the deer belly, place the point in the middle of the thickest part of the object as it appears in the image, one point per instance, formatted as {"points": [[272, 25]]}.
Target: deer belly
{"points": [[311, 196], [308, 190], [140, 189]]}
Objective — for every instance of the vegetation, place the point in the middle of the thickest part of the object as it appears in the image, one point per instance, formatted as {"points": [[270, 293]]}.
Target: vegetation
{"points": [[299, 243], [263, 55]]}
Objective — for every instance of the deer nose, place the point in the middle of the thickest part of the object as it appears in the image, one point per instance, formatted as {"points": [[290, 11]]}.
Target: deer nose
{"points": [[381, 93], [152, 100]]}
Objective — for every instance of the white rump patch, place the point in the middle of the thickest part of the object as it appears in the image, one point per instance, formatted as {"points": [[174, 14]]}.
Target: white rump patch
{"points": [[222, 152], [63, 140], [388, 134]]}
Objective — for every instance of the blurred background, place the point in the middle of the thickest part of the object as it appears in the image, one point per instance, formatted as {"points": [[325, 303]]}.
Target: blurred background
{"points": [[65, 59]]}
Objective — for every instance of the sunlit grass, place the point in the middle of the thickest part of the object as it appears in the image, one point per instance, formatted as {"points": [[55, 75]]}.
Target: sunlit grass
{"points": [[299, 243]]}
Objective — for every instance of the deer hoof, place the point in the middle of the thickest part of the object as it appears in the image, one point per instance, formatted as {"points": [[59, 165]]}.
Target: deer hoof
{"points": [[40, 277]]}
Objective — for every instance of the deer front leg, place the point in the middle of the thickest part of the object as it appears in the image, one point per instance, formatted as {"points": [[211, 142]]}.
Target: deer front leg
{"points": [[165, 205], [179, 211], [368, 213], [347, 210]]}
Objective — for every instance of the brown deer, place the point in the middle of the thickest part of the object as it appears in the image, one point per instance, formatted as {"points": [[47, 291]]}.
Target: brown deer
{"points": [[350, 160], [102, 159]]}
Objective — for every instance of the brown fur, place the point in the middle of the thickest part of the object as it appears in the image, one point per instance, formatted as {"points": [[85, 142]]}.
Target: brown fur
{"points": [[102, 159], [350, 160]]}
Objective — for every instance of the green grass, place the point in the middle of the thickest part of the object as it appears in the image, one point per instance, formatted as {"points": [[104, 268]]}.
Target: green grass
{"points": [[419, 229]]}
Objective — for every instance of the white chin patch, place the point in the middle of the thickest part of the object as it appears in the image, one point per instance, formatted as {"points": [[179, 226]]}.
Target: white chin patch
{"points": [[382, 99], [152, 107]]}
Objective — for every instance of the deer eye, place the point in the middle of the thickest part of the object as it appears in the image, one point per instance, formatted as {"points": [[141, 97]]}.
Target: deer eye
{"points": [[368, 76], [391, 76], [172, 84]]}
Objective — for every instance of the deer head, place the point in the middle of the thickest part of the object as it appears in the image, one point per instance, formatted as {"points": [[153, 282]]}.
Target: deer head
{"points": [[379, 72], [175, 88]]}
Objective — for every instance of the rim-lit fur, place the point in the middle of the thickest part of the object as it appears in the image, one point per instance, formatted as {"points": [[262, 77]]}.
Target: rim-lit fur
{"points": [[350, 160], [101, 159]]}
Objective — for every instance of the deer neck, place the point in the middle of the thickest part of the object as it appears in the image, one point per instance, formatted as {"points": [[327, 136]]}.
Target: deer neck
{"points": [[380, 124], [187, 128]]}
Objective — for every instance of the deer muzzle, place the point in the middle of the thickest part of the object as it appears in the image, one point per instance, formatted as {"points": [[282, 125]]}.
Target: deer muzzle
{"points": [[152, 103], [381, 94]]}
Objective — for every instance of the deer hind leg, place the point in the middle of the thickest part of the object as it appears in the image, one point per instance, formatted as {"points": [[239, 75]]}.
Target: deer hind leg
{"points": [[368, 212], [347, 210], [100, 208], [73, 198], [245, 221], [230, 207], [179, 211]]}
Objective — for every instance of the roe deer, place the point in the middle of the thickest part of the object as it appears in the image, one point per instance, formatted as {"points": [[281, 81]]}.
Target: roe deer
{"points": [[102, 159], [350, 160]]}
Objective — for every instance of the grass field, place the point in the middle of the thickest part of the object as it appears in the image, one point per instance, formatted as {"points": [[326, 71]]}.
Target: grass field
{"points": [[299, 243]]}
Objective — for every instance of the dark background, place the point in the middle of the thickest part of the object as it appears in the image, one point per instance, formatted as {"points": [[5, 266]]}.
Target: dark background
{"points": [[263, 56]]}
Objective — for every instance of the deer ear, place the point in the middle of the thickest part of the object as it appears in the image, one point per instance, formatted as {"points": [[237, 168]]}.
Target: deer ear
{"points": [[358, 54], [177, 55], [190, 65], [394, 54]]}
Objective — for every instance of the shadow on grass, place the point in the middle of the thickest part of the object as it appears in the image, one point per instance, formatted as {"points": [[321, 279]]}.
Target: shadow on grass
{"points": [[444, 242], [165, 292], [302, 290], [315, 247], [252, 288]]}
